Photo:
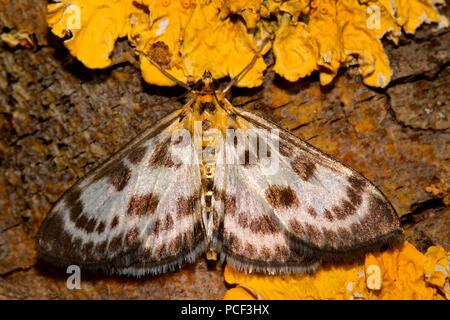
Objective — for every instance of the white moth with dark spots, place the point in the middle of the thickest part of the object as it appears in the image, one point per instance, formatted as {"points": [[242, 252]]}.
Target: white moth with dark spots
{"points": [[171, 195]]}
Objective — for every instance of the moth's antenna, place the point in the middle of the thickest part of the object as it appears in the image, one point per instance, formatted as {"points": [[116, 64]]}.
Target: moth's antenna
{"points": [[236, 78], [168, 75]]}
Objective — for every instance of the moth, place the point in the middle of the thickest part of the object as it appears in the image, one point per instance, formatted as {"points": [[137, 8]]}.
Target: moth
{"points": [[173, 194]]}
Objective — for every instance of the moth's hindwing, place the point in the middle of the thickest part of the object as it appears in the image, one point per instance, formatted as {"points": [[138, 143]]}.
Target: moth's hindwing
{"points": [[138, 213], [313, 209]]}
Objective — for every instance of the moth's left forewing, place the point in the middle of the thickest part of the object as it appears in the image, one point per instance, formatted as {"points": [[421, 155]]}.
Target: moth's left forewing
{"points": [[325, 208], [138, 213]]}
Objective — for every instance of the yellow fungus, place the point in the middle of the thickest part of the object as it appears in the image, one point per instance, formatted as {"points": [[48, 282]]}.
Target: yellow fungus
{"points": [[296, 8], [205, 35], [413, 13], [437, 269], [324, 29], [197, 41], [397, 273], [91, 27], [294, 50]]}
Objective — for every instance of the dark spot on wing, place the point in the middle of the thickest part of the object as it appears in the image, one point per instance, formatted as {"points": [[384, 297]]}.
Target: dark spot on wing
{"points": [[246, 158], [119, 175], [382, 213], [360, 231], [116, 243], [314, 234], [281, 253], [285, 149], [234, 243], [344, 210], [76, 208], [115, 222], [81, 222], [137, 154], [160, 251], [354, 196], [297, 228], [357, 183], [230, 205], [157, 228], [142, 205], [328, 215], [168, 222], [189, 237], [339, 212], [175, 246], [87, 249], [304, 168], [131, 237], [100, 228], [345, 237], [266, 253], [330, 238], [161, 156], [281, 197], [250, 250], [187, 206], [265, 225], [178, 140], [72, 196], [312, 212], [220, 227], [90, 225], [101, 247], [348, 207], [243, 219]]}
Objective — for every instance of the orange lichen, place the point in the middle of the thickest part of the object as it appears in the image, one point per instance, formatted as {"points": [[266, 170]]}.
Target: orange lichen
{"points": [[398, 273], [92, 27], [294, 50], [200, 41], [319, 35], [413, 13], [439, 188]]}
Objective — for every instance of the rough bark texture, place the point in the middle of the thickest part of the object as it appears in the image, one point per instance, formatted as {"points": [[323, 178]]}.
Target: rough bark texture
{"points": [[58, 120]]}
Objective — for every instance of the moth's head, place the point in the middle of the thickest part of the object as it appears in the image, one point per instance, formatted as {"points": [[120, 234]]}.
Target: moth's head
{"points": [[207, 78], [207, 83]]}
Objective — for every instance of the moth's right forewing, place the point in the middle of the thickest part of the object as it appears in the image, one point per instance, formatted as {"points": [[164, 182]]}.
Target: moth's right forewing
{"points": [[313, 208]]}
